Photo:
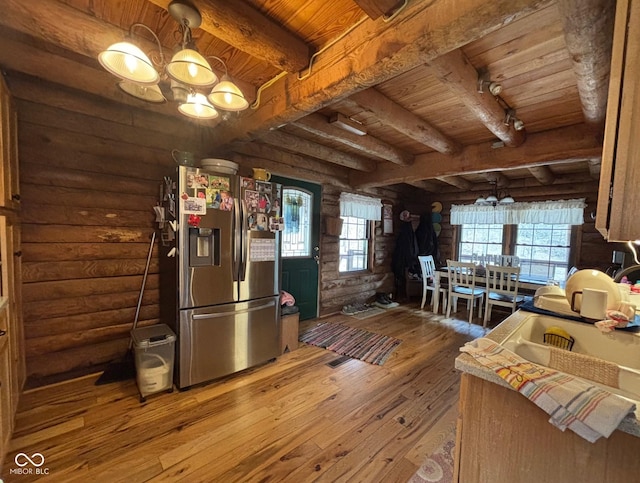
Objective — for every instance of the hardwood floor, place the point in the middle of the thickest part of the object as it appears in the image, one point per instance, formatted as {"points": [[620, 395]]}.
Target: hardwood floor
{"points": [[296, 419]]}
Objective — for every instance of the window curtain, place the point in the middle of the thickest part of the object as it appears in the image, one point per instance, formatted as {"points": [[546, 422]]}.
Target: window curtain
{"points": [[570, 212], [359, 206]]}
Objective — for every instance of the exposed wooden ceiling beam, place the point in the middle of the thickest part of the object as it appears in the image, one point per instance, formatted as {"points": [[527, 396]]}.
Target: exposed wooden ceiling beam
{"points": [[458, 182], [374, 52], [297, 144], [402, 120], [497, 178], [550, 147], [456, 71], [244, 27], [266, 151], [287, 166], [429, 186], [543, 174], [318, 125], [376, 8], [594, 168], [588, 33]]}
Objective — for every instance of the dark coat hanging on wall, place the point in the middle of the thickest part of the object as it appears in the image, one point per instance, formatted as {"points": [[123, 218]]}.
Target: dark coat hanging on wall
{"points": [[427, 238], [410, 244], [405, 254]]}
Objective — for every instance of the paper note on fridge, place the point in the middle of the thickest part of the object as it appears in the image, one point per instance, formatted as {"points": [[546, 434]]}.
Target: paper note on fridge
{"points": [[262, 250], [194, 206]]}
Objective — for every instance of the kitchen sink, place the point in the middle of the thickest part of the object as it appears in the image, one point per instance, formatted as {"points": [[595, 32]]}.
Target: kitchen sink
{"points": [[620, 347]]}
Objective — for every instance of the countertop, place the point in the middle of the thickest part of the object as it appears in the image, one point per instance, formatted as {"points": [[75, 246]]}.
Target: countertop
{"points": [[467, 364]]}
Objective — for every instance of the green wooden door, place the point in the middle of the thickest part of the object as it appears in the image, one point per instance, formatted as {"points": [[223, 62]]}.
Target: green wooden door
{"points": [[301, 243]]}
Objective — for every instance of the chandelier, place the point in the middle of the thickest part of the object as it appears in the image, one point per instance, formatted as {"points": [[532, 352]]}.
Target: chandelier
{"points": [[495, 198], [187, 78]]}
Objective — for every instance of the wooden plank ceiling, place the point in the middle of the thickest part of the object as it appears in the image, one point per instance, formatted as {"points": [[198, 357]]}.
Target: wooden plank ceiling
{"points": [[406, 72]]}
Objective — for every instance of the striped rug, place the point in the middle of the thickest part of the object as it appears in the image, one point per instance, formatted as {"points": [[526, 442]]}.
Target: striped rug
{"points": [[348, 341]]}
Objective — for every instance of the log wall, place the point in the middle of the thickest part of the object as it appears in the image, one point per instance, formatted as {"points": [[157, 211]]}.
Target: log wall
{"points": [[89, 175]]}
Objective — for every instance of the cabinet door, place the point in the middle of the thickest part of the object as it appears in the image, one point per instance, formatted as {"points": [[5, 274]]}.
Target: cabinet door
{"points": [[620, 173], [9, 179], [6, 414]]}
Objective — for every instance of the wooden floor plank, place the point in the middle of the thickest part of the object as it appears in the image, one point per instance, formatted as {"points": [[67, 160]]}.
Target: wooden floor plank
{"points": [[296, 419]]}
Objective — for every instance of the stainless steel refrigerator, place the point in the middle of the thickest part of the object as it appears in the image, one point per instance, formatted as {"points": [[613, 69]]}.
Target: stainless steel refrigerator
{"points": [[221, 257]]}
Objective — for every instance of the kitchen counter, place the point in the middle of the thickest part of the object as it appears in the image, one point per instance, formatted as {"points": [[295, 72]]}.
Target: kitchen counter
{"points": [[468, 365]]}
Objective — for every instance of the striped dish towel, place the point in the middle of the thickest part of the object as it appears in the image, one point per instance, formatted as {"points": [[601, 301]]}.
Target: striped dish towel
{"points": [[571, 402]]}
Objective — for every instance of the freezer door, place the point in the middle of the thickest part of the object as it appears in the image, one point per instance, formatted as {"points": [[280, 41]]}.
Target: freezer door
{"points": [[207, 258], [217, 341]]}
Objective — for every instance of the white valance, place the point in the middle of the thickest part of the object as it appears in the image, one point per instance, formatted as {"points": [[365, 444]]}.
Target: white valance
{"points": [[570, 212], [359, 206]]}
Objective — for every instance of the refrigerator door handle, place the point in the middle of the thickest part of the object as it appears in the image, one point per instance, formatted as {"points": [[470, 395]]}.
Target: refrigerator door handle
{"points": [[237, 238], [214, 315], [244, 233]]}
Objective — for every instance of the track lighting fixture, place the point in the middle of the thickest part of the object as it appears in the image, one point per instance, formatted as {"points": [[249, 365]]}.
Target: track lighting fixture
{"points": [[181, 79], [494, 88]]}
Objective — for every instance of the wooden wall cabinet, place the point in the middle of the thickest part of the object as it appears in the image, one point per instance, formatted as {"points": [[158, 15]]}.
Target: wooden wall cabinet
{"points": [[617, 217], [12, 351]]}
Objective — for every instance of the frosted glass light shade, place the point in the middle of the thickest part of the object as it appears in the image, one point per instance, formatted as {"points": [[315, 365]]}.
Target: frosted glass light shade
{"points": [[507, 200], [189, 67], [481, 201], [226, 95], [146, 93], [491, 199], [197, 106], [127, 61]]}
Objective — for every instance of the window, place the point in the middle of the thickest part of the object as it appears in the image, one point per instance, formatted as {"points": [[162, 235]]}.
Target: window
{"points": [[354, 244], [296, 209], [544, 250], [476, 239]]}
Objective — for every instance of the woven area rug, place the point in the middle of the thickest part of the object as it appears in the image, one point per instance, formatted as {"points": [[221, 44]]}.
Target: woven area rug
{"points": [[437, 467], [348, 341]]}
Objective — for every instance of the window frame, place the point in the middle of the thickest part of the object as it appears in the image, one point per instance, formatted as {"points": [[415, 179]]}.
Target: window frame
{"points": [[370, 245]]}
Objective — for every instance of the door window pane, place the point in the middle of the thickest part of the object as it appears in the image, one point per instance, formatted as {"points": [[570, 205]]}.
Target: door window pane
{"points": [[354, 244], [296, 210], [544, 251]]}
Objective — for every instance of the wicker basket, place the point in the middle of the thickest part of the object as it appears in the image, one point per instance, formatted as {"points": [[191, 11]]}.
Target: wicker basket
{"points": [[333, 226]]}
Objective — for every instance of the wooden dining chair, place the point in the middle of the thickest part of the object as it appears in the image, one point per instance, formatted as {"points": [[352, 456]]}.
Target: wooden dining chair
{"points": [[501, 289], [462, 281], [430, 283], [507, 261]]}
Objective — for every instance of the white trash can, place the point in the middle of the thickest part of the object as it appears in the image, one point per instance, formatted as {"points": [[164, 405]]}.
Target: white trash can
{"points": [[154, 349]]}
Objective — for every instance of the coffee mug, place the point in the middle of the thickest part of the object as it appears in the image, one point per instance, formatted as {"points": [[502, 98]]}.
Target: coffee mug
{"points": [[591, 304], [261, 174], [183, 158]]}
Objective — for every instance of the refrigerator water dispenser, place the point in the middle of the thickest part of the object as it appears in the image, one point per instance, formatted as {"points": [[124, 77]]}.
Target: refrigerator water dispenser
{"points": [[204, 247]]}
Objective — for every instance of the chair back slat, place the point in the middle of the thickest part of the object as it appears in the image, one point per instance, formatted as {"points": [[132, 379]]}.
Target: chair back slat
{"points": [[461, 274], [428, 267], [502, 279]]}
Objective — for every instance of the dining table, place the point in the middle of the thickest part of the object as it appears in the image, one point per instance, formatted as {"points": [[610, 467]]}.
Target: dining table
{"points": [[526, 284]]}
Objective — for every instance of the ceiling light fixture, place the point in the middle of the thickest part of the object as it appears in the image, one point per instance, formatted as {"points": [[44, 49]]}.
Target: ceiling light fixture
{"points": [[183, 79], [495, 198], [347, 123]]}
